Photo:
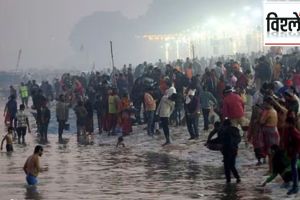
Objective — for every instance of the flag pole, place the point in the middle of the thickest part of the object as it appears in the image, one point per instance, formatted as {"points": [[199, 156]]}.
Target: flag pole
{"points": [[113, 63], [18, 60], [112, 54]]}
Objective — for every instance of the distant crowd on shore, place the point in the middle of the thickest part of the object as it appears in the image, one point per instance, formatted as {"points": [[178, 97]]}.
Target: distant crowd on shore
{"points": [[218, 89]]}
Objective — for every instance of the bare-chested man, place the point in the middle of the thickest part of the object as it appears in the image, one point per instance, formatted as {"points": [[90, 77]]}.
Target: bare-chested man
{"points": [[32, 166]]}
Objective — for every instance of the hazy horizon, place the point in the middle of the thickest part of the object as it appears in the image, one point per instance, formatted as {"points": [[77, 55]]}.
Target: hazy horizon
{"points": [[76, 33]]}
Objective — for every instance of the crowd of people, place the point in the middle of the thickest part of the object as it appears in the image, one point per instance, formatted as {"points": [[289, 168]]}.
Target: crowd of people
{"points": [[177, 93]]}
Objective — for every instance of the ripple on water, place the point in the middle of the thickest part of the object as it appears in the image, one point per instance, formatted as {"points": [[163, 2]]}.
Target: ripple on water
{"points": [[142, 170]]}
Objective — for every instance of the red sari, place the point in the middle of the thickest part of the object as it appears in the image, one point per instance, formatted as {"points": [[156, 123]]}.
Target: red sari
{"points": [[124, 119]]}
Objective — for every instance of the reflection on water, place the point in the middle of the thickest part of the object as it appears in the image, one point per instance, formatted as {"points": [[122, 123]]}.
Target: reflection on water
{"points": [[32, 193], [141, 170], [101, 171], [230, 192]]}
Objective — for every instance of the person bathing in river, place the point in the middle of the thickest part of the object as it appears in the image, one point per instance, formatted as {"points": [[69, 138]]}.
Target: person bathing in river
{"points": [[32, 166], [9, 140]]}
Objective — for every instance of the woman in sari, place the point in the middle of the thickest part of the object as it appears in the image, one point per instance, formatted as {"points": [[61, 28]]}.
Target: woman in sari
{"points": [[124, 119], [269, 121]]}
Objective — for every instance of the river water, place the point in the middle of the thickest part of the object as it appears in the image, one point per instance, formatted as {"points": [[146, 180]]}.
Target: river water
{"points": [[142, 170]]}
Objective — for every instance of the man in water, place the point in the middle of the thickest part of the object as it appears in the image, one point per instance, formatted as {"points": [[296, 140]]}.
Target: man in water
{"points": [[9, 140], [32, 166]]}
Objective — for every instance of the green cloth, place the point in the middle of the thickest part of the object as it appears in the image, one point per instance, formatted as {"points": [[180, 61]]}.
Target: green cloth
{"points": [[113, 104], [23, 91], [288, 169]]}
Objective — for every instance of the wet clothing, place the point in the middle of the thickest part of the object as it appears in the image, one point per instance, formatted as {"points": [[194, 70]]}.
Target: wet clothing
{"points": [[31, 180], [270, 137], [9, 148], [21, 134]]}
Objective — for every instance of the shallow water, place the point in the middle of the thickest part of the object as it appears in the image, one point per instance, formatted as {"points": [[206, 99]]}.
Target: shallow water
{"points": [[141, 170]]}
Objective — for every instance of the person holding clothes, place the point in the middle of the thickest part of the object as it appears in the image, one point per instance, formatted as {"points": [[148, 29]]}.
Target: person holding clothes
{"points": [[215, 143], [230, 140]]}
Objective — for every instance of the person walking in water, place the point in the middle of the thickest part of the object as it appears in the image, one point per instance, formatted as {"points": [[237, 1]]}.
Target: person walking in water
{"points": [[24, 94], [22, 122], [9, 140], [43, 119], [62, 115], [230, 140], [10, 111], [32, 166]]}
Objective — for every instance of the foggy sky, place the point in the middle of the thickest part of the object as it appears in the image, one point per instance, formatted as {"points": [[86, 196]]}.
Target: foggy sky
{"points": [[50, 32], [42, 27]]}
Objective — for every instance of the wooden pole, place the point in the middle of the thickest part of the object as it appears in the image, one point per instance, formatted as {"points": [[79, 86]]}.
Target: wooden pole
{"points": [[112, 54], [113, 63], [19, 58]]}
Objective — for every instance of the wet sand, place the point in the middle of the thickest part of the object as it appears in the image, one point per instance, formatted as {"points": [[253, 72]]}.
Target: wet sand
{"points": [[142, 170]]}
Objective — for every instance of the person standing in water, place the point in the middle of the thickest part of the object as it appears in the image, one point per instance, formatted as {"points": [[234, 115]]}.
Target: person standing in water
{"points": [[9, 140], [32, 166], [22, 123], [62, 115]]}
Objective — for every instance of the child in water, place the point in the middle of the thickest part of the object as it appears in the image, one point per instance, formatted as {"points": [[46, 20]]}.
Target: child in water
{"points": [[120, 142], [9, 140]]}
